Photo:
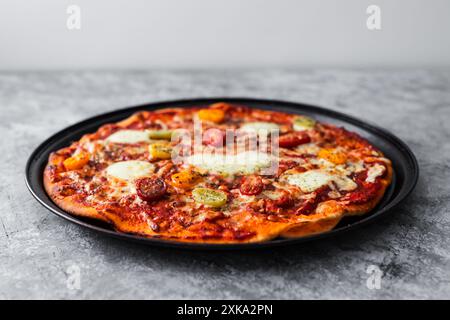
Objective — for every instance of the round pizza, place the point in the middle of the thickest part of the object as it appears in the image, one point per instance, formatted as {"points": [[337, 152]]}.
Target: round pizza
{"points": [[219, 173]]}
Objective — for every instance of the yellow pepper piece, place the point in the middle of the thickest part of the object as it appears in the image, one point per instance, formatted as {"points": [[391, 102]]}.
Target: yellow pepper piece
{"points": [[160, 151], [77, 161], [332, 155], [210, 197], [185, 179], [160, 134], [212, 115], [302, 123]]}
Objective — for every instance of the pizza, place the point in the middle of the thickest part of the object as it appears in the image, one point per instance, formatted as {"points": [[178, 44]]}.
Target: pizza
{"points": [[218, 173]]}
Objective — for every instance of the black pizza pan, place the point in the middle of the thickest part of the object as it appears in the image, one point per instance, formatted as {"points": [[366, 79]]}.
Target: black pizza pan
{"points": [[406, 170]]}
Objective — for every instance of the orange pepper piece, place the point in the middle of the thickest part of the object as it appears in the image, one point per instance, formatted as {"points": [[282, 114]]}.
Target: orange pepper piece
{"points": [[185, 179], [77, 161], [212, 115], [332, 155]]}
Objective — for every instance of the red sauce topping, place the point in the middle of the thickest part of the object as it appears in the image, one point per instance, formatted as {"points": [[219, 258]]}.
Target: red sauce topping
{"points": [[291, 140]]}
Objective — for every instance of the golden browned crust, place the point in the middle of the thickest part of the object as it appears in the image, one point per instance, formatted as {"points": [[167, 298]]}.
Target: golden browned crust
{"points": [[330, 214], [67, 203]]}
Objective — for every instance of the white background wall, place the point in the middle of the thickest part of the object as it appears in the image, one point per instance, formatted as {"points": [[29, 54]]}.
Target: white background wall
{"points": [[225, 33]]}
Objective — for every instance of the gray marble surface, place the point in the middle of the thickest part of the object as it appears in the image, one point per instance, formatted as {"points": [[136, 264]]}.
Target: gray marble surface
{"points": [[39, 251]]}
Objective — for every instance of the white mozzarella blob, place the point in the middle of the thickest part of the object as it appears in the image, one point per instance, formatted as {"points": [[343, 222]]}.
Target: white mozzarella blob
{"points": [[243, 163], [130, 170], [128, 136], [345, 184], [374, 172], [260, 127], [310, 181]]}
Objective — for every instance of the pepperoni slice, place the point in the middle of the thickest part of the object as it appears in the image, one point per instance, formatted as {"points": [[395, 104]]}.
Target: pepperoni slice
{"points": [[214, 137], [291, 140], [252, 185], [149, 189]]}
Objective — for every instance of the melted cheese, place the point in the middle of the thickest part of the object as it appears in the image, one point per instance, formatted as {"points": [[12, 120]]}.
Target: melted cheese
{"points": [[322, 163], [242, 163], [344, 183], [130, 170], [310, 181], [260, 127], [128, 136], [308, 148], [118, 191], [374, 172], [273, 195], [352, 166]]}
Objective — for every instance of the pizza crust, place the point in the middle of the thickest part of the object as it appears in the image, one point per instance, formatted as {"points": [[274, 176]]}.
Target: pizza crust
{"points": [[67, 203], [330, 215]]}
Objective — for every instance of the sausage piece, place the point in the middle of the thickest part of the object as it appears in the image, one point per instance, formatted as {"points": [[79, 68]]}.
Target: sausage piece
{"points": [[150, 188]]}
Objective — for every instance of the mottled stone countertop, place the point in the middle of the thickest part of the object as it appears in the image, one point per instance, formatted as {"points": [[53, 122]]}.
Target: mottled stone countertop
{"points": [[39, 252]]}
